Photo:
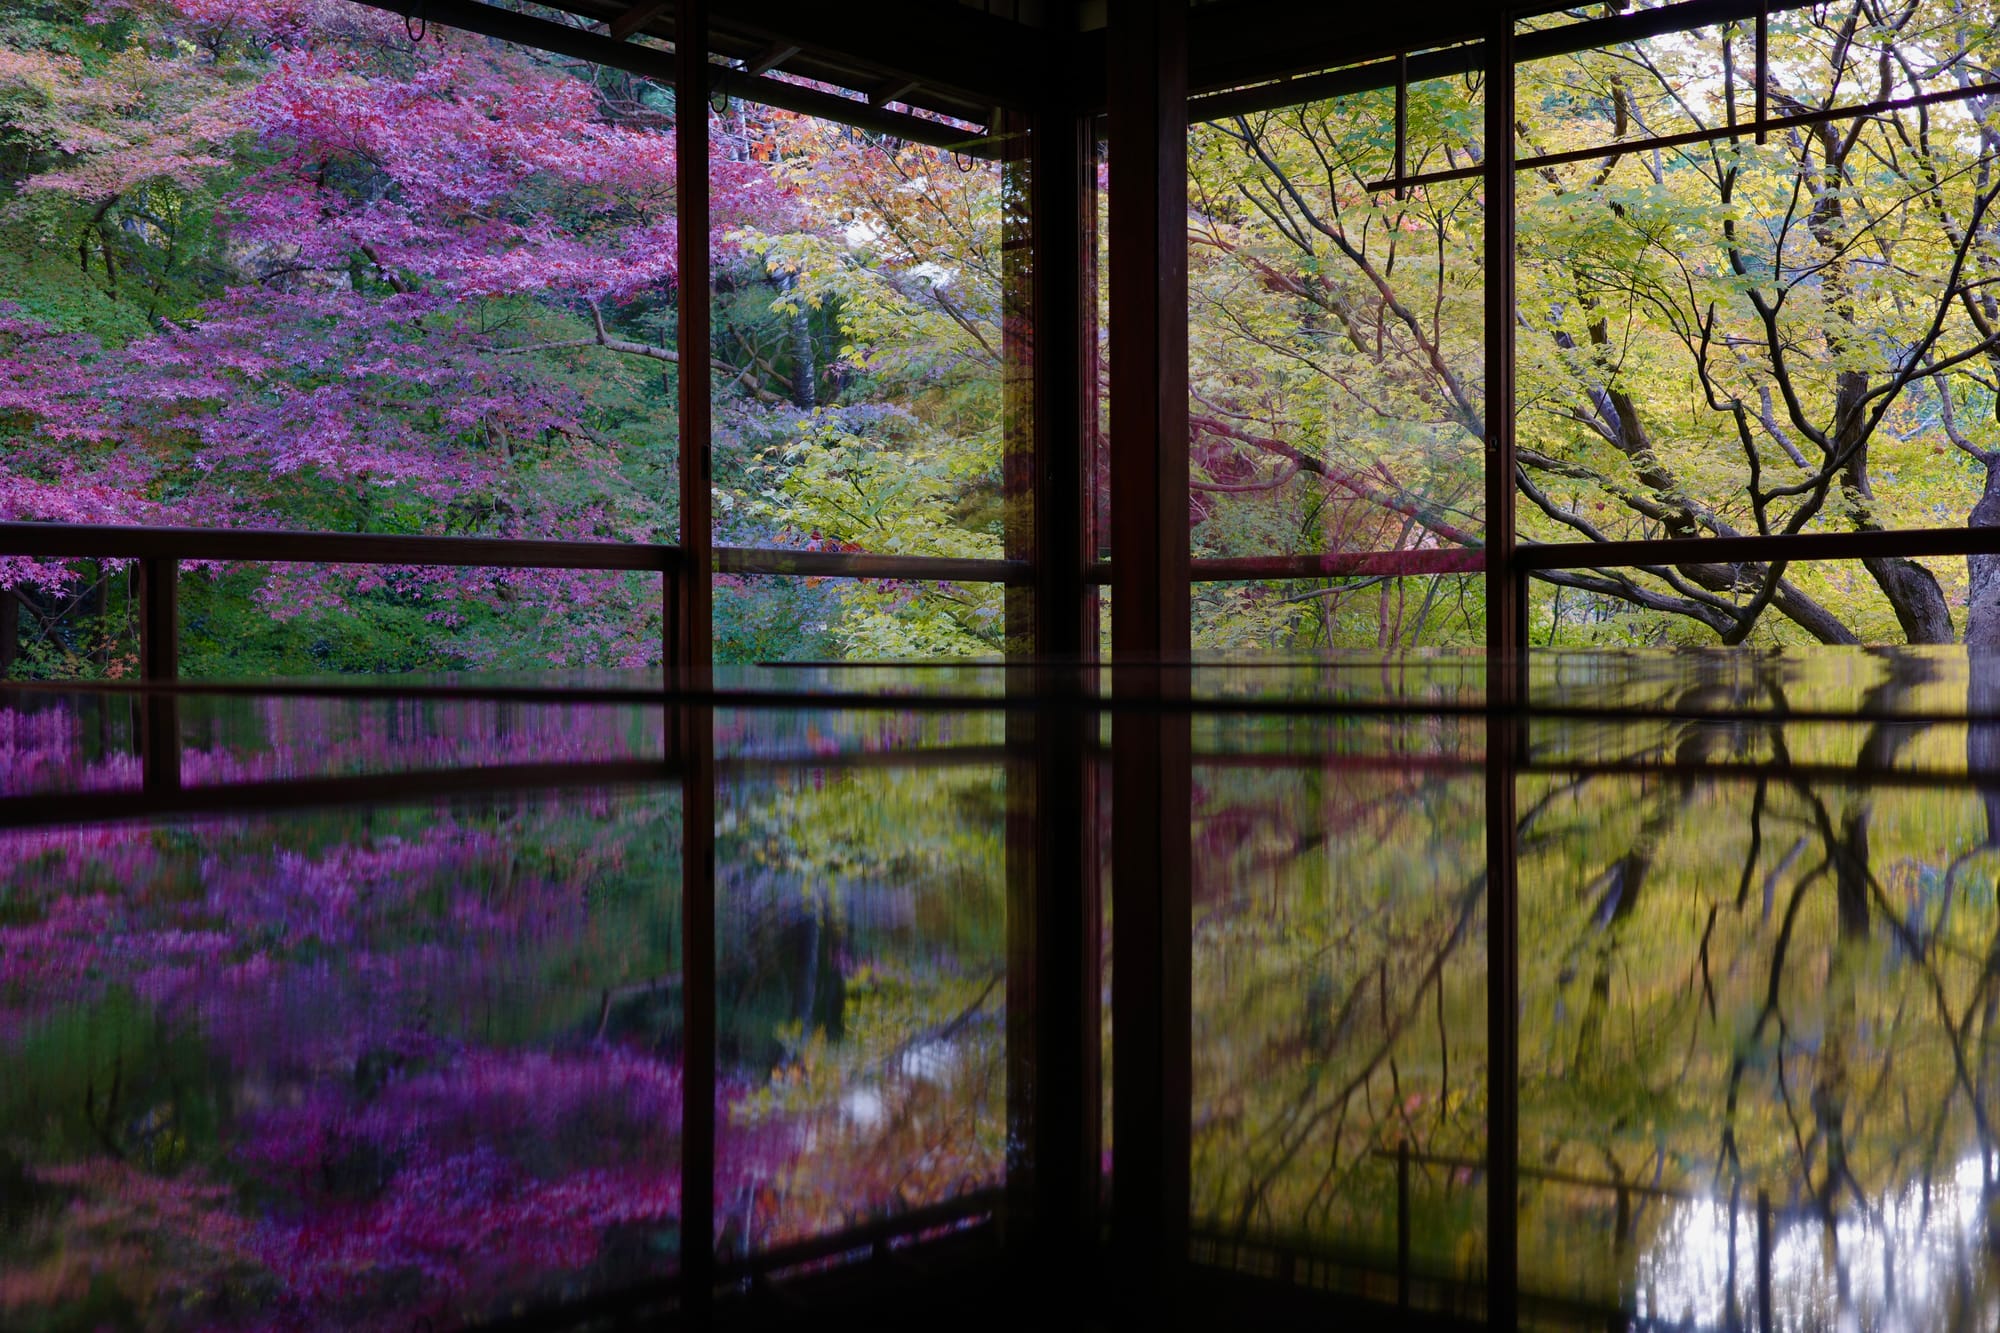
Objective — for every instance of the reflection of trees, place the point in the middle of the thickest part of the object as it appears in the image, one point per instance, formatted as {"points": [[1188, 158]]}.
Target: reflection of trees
{"points": [[1760, 956], [1334, 994], [1806, 1006], [1982, 647], [860, 1000]]}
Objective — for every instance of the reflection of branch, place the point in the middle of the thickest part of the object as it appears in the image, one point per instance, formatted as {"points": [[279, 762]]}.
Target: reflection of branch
{"points": [[1739, 1065], [947, 1030], [615, 993], [1469, 898]]}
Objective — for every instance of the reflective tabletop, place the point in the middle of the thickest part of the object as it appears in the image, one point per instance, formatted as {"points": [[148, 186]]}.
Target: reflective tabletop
{"points": [[1632, 990]]}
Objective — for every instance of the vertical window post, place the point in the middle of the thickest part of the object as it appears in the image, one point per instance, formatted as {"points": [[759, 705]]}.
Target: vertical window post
{"points": [[688, 663], [1023, 437], [1761, 94], [689, 632], [1052, 1009], [156, 587], [1149, 324], [1402, 123], [1507, 647], [1062, 201], [1151, 789]]}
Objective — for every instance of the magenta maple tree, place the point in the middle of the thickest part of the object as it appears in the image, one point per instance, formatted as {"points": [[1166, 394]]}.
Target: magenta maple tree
{"points": [[428, 243]]}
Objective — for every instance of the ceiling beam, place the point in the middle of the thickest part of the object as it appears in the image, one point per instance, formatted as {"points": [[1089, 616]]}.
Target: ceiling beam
{"points": [[637, 17], [941, 46], [526, 30], [892, 91], [1234, 67], [649, 62], [771, 57]]}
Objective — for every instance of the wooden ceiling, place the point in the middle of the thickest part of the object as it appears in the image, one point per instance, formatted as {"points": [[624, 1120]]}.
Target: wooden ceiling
{"points": [[897, 65], [960, 60]]}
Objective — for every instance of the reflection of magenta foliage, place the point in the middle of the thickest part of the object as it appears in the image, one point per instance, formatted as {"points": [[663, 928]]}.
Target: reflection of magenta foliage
{"points": [[79, 946], [485, 1172], [41, 751], [48, 749], [412, 1108], [351, 1069]]}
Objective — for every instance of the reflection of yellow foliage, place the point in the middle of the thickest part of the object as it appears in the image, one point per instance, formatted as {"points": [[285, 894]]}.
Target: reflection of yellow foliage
{"points": [[909, 1107]]}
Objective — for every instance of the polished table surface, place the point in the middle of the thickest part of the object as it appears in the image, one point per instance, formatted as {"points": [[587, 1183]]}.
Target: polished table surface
{"points": [[369, 1004]]}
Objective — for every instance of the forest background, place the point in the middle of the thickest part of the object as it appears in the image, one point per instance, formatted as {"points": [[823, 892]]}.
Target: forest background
{"points": [[281, 264]]}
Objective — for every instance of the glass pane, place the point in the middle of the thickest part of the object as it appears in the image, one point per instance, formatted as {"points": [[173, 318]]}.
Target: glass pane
{"points": [[58, 742], [871, 340], [1745, 1033], [1810, 602], [355, 281], [69, 620], [245, 622], [782, 617], [1735, 337], [76, 743], [1335, 330], [1683, 82], [1097, 354], [1380, 611]]}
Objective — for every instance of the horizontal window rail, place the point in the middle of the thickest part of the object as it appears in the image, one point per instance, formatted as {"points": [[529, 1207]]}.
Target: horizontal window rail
{"points": [[83, 541], [858, 565], [1533, 557], [160, 551], [1757, 549], [1756, 127], [1327, 565], [1468, 55]]}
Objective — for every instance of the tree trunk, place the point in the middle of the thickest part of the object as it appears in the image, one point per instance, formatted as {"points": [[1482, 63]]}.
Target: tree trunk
{"points": [[1918, 600], [805, 373], [1913, 591], [1982, 649]]}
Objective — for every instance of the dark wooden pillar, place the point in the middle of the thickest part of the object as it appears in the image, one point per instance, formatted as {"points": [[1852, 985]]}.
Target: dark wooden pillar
{"points": [[1149, 380], [1052, 1010], [690, 632], [1063, 1101], [1507, 644], [156, 588], [1063, 197], [690, 724], [1151, 782]]}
